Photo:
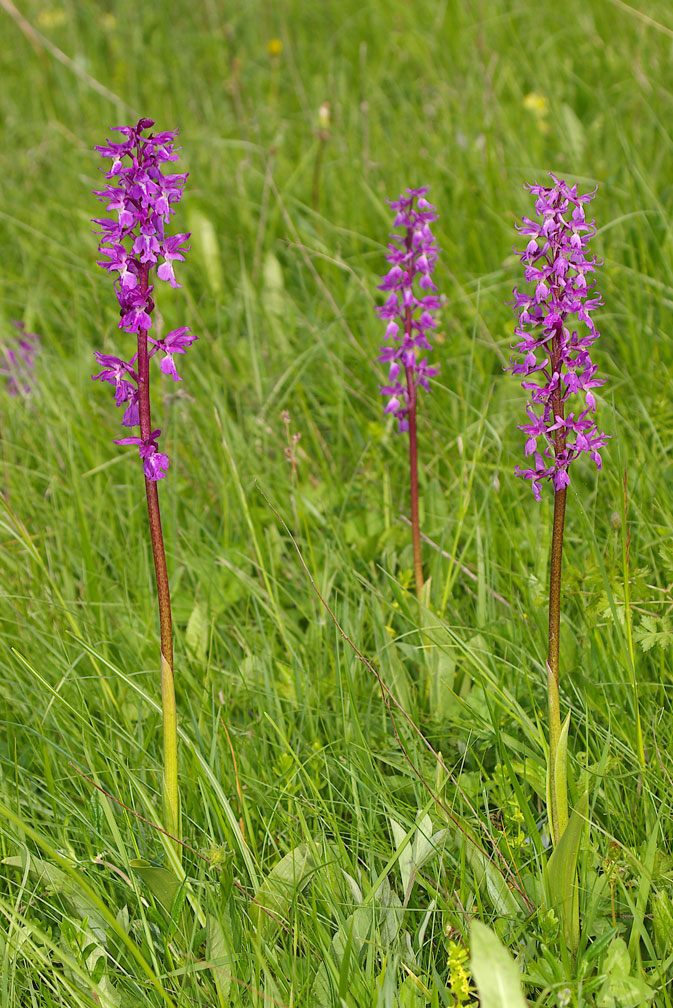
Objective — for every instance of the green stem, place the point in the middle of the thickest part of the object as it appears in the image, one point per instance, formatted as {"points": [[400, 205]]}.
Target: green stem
{"points": [[170, 774], [626, 543], [317, 167]]}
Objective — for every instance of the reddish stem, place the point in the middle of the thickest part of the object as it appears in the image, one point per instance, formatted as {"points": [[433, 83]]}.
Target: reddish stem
{"points": [[151, 492], [559, 519], [413, 480], [413, 447], [171, 807], [558, 810]]}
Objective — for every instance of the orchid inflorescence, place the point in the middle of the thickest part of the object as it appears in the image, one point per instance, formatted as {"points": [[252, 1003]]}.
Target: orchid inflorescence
{"points": [[556, 261], [410, 316], [133, 242]]}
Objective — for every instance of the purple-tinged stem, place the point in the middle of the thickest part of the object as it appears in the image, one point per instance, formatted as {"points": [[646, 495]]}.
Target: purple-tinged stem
{"points": [[412, 257], [413, 480], [169, 711], [559, 814], [555, 616], [413, 450]]}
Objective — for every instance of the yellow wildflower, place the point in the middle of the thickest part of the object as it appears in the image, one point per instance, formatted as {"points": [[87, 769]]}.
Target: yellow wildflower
{"points": [[537, 104], [50, 17], [459, 980]]}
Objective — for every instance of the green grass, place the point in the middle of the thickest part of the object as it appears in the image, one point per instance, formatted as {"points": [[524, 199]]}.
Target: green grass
{"points": [[287, 743]]}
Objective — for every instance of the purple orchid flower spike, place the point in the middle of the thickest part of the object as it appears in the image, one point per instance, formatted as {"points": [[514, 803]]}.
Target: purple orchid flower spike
{"points": [[409, 312], [556, 261], [133, 243], [556, 332]]}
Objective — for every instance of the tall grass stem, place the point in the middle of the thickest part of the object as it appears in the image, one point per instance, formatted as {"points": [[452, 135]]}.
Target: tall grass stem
{"points": [[626, 544]]}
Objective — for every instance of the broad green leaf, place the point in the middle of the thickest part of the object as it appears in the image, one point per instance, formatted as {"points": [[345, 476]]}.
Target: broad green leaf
{"points": [[391, 913], [662, 919], [561, 778], [353, 887], [196, 634], [561, 873], [280, 887], [620, 989], [572, 132], [425, 843], [533, 773], [494, 970], [80, 939], [98, 969], [122, 918], [412, 993], [352, 935], [441, 672], [161, 882], [557, 786], [439, 657], [415, 848], [273, 288], [219, 954], [405, 861], [488, 876], [381, 916], [97, 963], [645, 874], [206, 247], [57, 881]]}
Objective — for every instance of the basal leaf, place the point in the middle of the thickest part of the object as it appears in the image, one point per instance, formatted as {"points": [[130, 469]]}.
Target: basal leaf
{"points": [[220, 955], [161, 882], [279, 889], [561, 873], [620, 989], [57, 881], [494, 970], [196, 634]]}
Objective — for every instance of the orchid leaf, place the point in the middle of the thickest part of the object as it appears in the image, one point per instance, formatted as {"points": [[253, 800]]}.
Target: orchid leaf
{"points": [[279, 889], [561, 869], [494, 970]]}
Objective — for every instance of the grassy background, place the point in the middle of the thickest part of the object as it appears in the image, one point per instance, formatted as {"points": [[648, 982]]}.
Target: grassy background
{"points": [[287, 744]]}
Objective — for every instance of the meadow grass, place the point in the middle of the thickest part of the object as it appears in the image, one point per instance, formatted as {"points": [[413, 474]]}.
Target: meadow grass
{"points": [[308, 788]]}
